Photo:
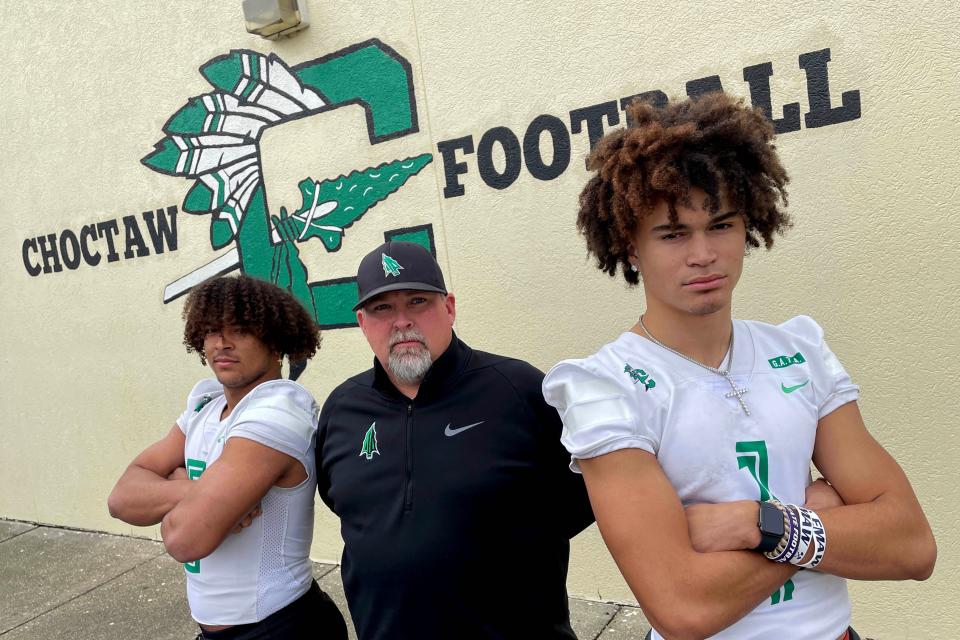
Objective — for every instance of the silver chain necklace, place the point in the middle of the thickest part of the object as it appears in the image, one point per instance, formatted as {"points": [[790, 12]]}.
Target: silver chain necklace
{"points": [[735, 391]]}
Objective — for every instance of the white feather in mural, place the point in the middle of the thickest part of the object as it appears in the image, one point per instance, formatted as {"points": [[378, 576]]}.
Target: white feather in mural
{"points": [[214, 136]]}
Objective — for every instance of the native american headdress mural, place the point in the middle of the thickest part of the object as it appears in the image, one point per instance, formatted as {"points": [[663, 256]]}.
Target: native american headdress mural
{"points": [[214, 140]]}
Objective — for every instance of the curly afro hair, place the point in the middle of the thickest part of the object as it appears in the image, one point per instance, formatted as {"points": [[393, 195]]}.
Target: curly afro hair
{"points": [[265, 310], [713, 143]]}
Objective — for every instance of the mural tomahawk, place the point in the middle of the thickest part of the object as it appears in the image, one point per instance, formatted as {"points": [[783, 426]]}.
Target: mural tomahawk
{"points": [[214, 139]]}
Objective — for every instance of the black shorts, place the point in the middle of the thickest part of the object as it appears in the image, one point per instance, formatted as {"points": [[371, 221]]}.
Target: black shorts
{"points": [[313, 615]]}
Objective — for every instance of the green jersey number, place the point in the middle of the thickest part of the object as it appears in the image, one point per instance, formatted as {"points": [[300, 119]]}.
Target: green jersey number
{"points": [[195, 469], [752, 456]]}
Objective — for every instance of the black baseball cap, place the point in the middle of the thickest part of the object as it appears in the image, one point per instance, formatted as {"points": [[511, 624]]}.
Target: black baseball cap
{"points": [[397, 265]]}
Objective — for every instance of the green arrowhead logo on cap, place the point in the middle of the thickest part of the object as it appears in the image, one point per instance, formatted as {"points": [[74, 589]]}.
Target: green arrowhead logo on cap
{"points": [[390, 266], [369, 446]]}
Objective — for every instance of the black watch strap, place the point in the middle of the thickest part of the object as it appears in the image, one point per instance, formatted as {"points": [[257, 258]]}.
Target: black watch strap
{"points": [[770, 523]]}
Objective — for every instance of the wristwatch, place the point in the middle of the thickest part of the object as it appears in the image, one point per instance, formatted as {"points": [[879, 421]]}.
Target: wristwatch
{"points": [[771, 527]]}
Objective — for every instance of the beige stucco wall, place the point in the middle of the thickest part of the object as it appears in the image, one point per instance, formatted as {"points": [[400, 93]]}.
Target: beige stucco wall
{"points": [[93, 370]]}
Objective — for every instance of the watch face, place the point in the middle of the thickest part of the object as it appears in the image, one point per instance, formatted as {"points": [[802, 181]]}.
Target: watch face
{"points": [[771, 520]]}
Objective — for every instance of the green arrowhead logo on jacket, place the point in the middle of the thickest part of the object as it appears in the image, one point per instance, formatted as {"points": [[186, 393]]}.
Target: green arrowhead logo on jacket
{"points": [[369, 446], [390, 266], [215, 138]]}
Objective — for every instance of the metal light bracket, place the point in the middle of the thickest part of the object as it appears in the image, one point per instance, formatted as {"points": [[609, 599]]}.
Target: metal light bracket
{"points": [[272, 19]]}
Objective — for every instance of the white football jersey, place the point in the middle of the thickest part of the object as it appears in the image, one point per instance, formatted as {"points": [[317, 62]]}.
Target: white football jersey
{"points": [[266, 566], [633, 393]]}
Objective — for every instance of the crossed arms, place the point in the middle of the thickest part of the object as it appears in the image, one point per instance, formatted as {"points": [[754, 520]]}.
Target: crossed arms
{"points": [[196, 515], [879, 533]]}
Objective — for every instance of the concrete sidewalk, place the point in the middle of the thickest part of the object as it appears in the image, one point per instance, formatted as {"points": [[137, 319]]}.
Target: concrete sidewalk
{"points": [[65, 584]]}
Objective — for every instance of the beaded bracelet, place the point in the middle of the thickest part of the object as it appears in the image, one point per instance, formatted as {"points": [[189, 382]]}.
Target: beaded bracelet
{"points": [[789, 540]]}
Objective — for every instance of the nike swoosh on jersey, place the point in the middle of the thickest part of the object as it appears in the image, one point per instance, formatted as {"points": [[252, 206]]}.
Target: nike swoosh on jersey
{"points": [[787, 389], [452, 432]]}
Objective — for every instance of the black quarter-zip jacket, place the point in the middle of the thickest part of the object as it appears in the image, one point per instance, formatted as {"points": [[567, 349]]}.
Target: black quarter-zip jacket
{"points": [[456, 516]]}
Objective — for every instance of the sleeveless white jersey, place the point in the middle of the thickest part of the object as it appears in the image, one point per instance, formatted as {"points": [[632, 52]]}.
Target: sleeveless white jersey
{"points": [[266, 566], [635, 394]]}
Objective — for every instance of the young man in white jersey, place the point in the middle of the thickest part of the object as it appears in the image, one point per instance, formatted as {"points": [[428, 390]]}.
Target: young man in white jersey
{"points": [[232, 482], [690, 408]]}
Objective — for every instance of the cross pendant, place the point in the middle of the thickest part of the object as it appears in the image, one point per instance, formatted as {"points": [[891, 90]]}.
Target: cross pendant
{"points": [[737, 392]]}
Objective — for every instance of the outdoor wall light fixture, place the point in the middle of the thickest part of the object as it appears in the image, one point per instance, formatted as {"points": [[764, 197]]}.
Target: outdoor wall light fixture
{"points": [[274, 19]]}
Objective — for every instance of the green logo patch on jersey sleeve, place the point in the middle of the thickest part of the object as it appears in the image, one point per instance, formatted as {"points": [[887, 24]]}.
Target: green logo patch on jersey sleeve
{"points": [[639, 375]]}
